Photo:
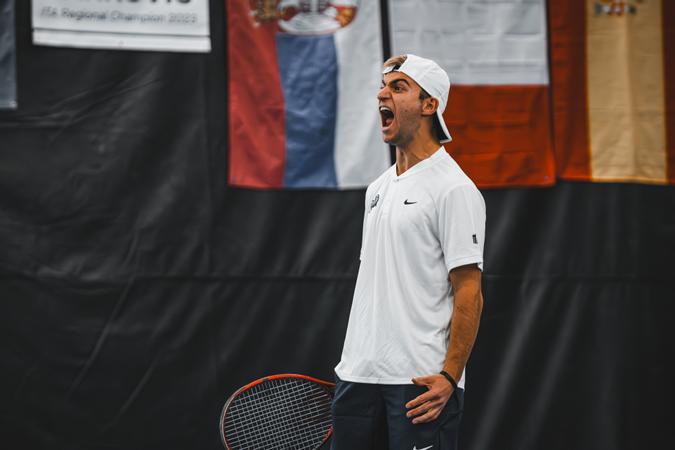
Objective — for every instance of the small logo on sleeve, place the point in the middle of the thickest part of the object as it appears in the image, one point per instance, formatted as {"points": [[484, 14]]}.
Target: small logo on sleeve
{"points": [[406, 202], [475, 239], [373, 202]]}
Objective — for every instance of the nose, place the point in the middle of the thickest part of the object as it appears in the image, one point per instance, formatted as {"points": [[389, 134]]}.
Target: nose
{"points": [[383, 93]]}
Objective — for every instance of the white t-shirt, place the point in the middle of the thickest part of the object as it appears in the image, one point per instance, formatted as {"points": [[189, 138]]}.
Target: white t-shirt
{"points": [[416, 228]]}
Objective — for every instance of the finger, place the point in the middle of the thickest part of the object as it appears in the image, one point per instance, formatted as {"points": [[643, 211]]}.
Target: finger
{"points": [[429, 416], [422, 398], [422, 409], [419, 410], [430, 396], [422, 381]]}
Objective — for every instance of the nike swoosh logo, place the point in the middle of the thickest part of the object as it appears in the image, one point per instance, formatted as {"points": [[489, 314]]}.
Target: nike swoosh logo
{"points": [[406, 202], [425, 448]]}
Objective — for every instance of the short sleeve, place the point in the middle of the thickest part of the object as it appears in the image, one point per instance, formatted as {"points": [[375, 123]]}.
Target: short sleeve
{"points": [[461, 216]]}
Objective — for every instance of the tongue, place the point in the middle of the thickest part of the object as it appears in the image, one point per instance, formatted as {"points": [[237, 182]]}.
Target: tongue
{"points": [[388, 121]]}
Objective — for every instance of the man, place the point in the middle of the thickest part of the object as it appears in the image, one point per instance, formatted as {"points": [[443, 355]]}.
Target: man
{"points": [[418, 299]]}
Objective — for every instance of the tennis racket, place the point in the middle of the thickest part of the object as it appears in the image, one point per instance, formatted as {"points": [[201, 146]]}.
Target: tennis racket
{"points": [[284, 411]]}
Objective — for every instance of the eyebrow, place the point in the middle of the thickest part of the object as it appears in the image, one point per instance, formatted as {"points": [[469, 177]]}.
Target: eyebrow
{"points": [[395, 81]]}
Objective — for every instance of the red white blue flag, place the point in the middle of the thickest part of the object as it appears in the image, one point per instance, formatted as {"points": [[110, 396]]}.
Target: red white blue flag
{"points": [[303, 79]]}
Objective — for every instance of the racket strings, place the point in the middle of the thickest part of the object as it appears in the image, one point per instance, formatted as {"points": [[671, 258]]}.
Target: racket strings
{"points": [[282, 427], [292, 421], [283, 413]]}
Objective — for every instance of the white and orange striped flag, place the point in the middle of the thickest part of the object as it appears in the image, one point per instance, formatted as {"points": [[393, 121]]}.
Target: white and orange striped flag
{"points": [[499, 105], [613, 79]]}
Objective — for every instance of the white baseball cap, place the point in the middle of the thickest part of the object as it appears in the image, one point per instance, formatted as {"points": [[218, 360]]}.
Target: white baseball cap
{"points": [[432, 79]]}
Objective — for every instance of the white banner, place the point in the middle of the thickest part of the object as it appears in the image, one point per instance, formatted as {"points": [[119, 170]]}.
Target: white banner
{"points": [[165, 25], [7, 56], [478, 42]]}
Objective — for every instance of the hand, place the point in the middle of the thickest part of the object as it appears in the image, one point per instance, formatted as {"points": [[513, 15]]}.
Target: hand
{"points": [[428, 406]]}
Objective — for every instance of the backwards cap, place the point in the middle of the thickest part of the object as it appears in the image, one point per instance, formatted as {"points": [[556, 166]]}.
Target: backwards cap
{"points": [[432, 79]]}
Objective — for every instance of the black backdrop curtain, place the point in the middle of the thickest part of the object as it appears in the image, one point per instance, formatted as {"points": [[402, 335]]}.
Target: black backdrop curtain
{"points": [[137, 290]]}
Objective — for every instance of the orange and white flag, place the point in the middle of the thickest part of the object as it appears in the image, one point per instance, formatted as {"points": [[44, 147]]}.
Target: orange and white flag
{"points": [[613, 81], [499, 111]]}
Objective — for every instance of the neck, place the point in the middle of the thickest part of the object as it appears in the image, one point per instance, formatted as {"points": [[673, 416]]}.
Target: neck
{"points": [[411, 153]]}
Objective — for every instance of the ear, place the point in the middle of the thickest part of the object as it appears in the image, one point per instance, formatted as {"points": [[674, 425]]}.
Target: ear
{"points": [[429, 106]]}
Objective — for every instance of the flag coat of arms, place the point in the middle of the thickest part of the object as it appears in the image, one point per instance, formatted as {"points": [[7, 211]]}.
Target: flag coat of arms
{"points": [[303, 79]]}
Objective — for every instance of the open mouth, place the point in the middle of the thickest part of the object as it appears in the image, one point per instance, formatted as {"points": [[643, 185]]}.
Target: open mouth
{"points": [[386, 116]]}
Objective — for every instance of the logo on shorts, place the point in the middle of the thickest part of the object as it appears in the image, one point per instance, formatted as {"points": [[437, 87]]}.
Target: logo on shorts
{"points": [[425, 448], [475, 239]]}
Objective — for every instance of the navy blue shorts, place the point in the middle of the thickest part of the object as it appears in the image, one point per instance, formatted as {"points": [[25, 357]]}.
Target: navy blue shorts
{"points": [[372, 417]]}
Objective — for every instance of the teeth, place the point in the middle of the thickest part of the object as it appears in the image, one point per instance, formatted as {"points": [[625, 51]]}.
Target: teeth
{"points": [[384, 108]]}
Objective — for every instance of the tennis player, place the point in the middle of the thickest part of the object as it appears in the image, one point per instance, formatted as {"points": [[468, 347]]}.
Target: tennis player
{"points": [[418, 299]]}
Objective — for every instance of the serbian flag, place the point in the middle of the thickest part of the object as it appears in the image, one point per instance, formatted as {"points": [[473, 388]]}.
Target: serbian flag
{"points": [[303, 80], [613, 77], [498, 109]]}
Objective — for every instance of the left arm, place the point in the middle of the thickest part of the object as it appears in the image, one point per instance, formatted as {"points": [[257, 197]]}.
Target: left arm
{"points": [[468, 305]]}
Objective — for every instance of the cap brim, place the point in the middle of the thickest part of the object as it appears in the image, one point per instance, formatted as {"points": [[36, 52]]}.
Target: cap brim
{"points": [[448, 138]]}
